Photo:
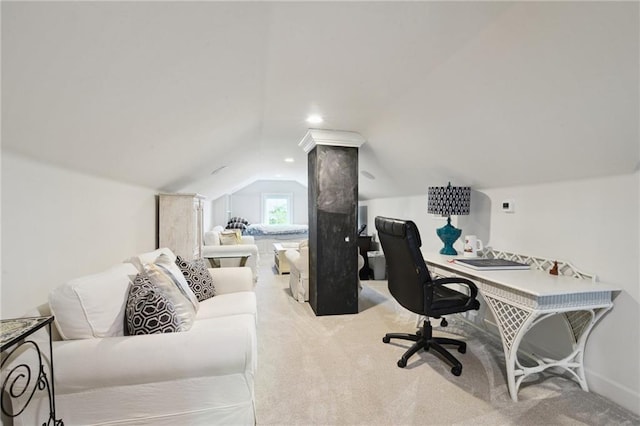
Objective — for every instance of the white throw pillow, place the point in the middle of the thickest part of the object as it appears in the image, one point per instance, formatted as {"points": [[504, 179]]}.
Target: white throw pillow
{"points": [[176, 275], [166, 259], [230, 237], [150, 257], [93, 305]]}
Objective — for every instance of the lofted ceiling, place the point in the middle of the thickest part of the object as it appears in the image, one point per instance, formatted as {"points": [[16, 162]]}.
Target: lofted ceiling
{"points": [[486, 94]]}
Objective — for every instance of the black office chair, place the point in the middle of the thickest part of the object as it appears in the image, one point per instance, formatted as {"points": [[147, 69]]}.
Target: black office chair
{"points": [[411, 285]]}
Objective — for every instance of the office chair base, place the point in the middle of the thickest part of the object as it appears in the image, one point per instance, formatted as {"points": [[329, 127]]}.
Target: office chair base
{"points": [[425, 340]]}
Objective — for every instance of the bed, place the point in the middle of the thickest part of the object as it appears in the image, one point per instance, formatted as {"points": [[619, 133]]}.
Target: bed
{"points": [[265, 235], [274, 231]]}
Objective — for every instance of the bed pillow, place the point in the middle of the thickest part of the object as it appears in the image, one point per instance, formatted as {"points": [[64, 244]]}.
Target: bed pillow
{"points": [[236, 225], [150, 311], [198, 277], [230, 237], [237, 219]]}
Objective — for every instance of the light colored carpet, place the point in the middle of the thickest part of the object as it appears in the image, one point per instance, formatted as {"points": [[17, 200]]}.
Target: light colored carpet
{"points": [[335, 370]]}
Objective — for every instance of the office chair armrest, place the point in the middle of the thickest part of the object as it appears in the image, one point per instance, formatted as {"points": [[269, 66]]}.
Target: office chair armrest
{"points": [[473, 290]]}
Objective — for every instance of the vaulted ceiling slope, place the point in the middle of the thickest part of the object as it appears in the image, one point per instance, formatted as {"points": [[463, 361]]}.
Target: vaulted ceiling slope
{"points": [[486, 94]]}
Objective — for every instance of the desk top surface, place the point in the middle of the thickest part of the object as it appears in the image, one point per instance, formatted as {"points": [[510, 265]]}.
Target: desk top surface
{"points": [[538, 283]]}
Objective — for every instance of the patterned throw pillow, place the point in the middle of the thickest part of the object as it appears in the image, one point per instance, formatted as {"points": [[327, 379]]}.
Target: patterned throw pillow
{"points": [[198, 277], [149, 310], [165, 282], [236, 225], [237, 219]]}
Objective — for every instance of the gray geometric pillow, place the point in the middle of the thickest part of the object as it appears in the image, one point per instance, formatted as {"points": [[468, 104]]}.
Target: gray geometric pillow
{"points": [[149, 311], [198, 277]]}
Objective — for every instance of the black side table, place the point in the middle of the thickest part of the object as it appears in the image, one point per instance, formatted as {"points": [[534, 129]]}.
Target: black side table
{"points": [[364, 245], [18, 382]]}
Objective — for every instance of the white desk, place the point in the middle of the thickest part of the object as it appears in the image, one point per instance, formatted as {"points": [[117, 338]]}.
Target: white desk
{"points": [[519, 299]]}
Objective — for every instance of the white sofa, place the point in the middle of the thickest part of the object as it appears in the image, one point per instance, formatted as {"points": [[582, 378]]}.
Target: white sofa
{"points": [[299, 271], [203, 376], [214, 247]]}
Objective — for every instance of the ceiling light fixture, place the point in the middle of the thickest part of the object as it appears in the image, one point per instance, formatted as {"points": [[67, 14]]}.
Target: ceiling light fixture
{"points": [[288, 160], [314, 119]]}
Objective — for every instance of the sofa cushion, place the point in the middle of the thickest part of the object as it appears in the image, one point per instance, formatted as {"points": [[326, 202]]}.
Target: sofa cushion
{"points": [[223, 347], [242, 302], [150, 311], [93, 305], [198, 277]]}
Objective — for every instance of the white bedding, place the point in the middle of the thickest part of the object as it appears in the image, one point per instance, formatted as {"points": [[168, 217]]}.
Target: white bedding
{"points": [[260, 229]]}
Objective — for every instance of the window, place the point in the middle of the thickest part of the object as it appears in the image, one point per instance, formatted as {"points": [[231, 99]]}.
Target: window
{"points": [[276, 209]]}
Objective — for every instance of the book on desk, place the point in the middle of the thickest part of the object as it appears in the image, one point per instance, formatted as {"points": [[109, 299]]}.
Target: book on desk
{"points": [[491, 264]]}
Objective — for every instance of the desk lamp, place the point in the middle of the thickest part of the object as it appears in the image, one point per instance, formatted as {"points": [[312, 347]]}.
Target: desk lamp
{"points": [[447, 201]]}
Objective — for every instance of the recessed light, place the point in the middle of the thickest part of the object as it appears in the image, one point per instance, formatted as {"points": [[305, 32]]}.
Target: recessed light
{"points": [[288, 160], [314, 119]]}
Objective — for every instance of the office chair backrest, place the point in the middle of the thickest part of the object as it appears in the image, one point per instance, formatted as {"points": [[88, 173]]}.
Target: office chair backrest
{"points": [[407, 273]]}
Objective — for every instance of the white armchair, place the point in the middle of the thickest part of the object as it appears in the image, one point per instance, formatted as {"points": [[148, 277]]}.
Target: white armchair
{"points": [[244, 251], [299, 271]]}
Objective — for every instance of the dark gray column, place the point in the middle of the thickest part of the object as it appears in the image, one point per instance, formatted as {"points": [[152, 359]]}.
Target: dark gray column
{"points": [[333, 219]]}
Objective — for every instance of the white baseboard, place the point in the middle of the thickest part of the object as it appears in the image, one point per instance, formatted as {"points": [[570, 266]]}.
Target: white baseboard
{"points": [[615, 392], [621, 395]]}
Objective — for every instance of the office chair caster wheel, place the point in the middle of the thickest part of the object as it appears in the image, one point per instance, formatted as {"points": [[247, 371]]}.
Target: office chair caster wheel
{"points": [[444, 323], [456, 370], [402, 363], [462, 349], [385, 339]]}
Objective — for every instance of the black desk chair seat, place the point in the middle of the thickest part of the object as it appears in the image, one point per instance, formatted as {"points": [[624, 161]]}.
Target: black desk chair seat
{"points": [[411, 285]]}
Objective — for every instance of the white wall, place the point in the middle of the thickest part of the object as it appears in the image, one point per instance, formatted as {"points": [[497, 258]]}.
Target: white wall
{"points": [[247, 202], [58, 225], [592, 223]]}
